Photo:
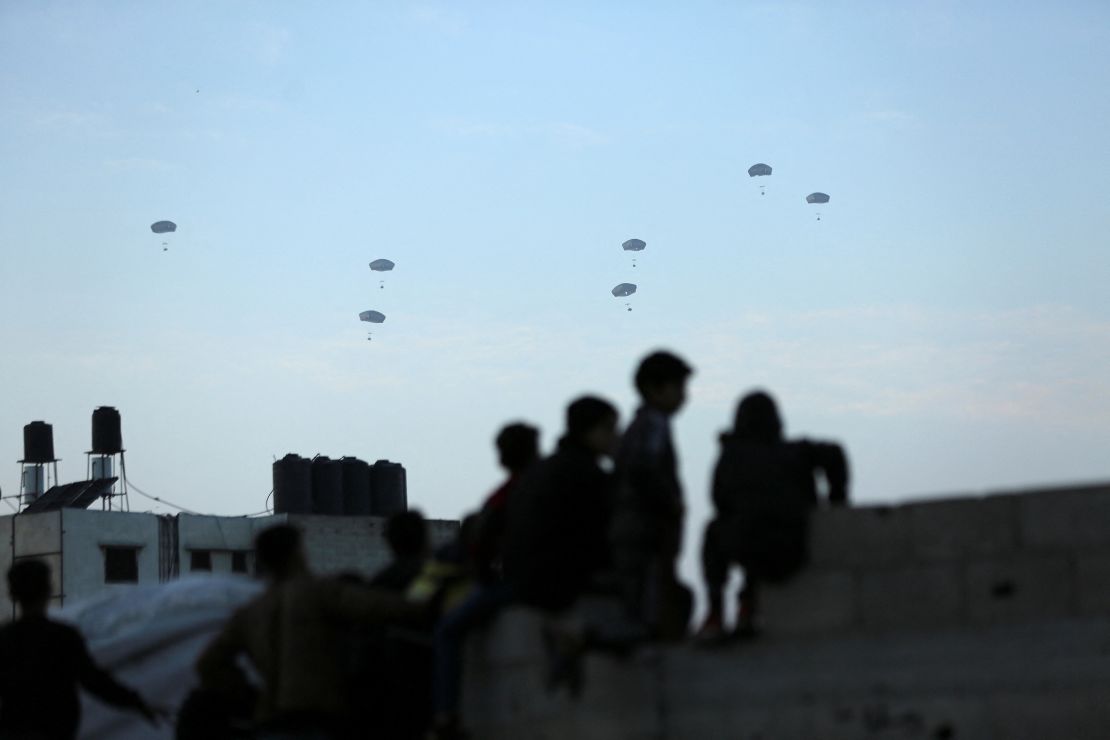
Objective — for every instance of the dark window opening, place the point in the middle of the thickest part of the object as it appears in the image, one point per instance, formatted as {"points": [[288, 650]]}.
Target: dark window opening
{"points": [[121, 565], [239, 562], [200, 560]]}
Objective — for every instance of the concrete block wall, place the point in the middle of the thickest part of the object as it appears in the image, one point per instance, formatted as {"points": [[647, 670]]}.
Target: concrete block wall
{"points": [[984, 618], [999, 559]]}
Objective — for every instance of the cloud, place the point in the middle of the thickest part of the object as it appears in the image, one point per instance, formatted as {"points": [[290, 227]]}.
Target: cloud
{"points": [[573, 135], [1038, 365], [268, 42], [438, 18], [888, 116], [138, 164], [563, 134]]}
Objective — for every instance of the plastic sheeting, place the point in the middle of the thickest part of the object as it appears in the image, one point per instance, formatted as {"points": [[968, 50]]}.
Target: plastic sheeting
{"points": [[150, 637]]}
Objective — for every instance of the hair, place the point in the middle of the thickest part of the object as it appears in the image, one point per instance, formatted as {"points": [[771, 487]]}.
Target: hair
{"points": [[29, 581], [660, 368], [407, 534], [757, 418], [276, 549], [585, 413], [518, 445]]}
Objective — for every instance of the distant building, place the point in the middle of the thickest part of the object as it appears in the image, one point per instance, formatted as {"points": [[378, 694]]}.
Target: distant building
{"points": [[90, 551]]}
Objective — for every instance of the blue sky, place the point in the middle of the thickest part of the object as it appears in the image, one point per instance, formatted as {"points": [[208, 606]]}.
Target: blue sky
{"points": [[947, 319]]}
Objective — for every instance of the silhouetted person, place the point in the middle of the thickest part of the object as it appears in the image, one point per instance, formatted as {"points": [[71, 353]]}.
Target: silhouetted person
{"points": [[559, 517], [390, 668], [42, 662], [518, 449], [294, 635], [407, 535], [764, 488], [647, 526]]}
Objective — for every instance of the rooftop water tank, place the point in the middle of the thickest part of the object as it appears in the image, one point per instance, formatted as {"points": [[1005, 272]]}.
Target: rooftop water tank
{"points": [[389, 488], [356, 487], [107, 438], [38, 443], [292, 485], [327, 486]]}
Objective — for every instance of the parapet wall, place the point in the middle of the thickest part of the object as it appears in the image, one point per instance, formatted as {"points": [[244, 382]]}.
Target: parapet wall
{"points": [[984, 618]]}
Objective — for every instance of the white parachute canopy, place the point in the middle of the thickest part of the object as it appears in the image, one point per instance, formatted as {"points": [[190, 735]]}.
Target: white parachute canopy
{"points": [[382, 265], [624, 290], [374, 317]]}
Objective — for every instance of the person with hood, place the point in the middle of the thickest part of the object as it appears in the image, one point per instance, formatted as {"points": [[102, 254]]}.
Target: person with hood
{"points": [[764, 488], [650, 510]]}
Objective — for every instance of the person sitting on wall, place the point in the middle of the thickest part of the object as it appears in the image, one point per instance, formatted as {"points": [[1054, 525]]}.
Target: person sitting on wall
{"points": [[293, 635], [42, 662], [763, 490], [558, 519], [518, 449]]}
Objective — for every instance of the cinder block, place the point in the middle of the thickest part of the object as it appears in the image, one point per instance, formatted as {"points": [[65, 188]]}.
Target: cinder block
{"points": [[814, 602], [1066, 518], [514, 636], [869, 715], [847, 537], [1019, 589], [1064, 713], [953, 529], [910, 598], [1092, 582]]}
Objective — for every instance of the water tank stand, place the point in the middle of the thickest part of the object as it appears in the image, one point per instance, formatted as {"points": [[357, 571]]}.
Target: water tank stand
{"points": [[98, 462]]}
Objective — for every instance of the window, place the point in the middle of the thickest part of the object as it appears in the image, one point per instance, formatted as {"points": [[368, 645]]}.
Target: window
{"points": [[200, 560], [239, 562], [121, 565]]}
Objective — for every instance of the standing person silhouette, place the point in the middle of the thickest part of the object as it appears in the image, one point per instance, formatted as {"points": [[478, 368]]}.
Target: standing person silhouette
{"points": [[763, 490], [648, 520], [42, 662]]}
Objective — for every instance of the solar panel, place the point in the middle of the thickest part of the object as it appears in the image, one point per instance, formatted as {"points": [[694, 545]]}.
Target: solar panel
{"points": [[79, 495]]}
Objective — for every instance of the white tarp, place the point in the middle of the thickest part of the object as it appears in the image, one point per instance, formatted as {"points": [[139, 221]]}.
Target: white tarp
{"points": [[149, 637]]}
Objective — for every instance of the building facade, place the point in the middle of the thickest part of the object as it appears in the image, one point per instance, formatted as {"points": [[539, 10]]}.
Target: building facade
{"points": [[91, 551]]}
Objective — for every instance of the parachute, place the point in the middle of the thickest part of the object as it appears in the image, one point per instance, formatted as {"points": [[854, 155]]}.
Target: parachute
{"points": [[373, 317], [818, 199], [164, 227], [623, 291], [634, 245], [382, 265], [759, 170]]}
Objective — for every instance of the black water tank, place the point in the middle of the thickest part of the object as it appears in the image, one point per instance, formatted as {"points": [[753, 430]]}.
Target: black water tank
{"points": [[107, 439], [327, 486], [389, 489], [356, 487], [38, 442], [292, 485]]}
